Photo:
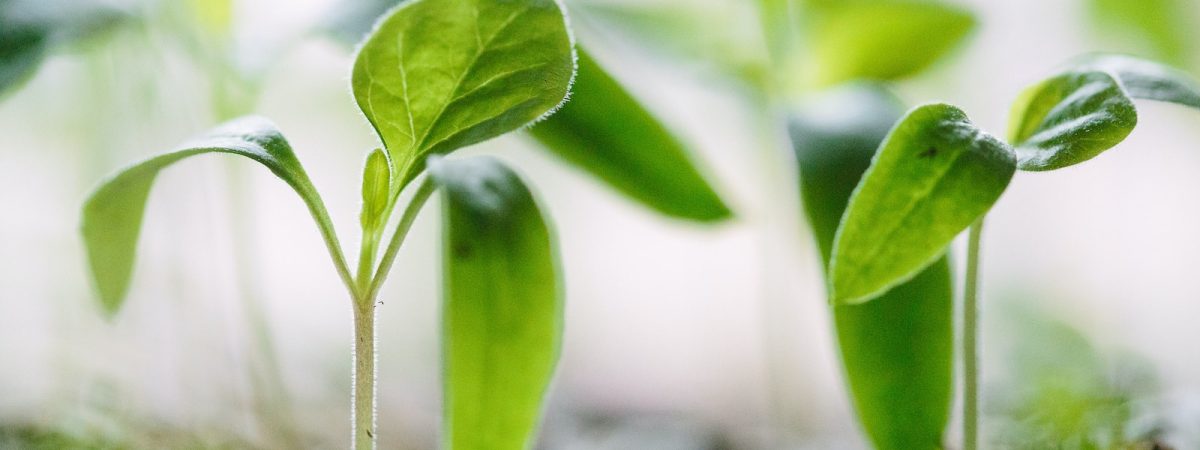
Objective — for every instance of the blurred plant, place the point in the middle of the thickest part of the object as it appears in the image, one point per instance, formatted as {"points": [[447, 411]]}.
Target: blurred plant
{"points": [[1162, 29], [434, 76], [29, 29], [936, 174], [1062, 392]]}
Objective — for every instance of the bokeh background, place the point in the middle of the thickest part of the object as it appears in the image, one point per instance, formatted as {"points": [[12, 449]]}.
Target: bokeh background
{"points": [[679, 336]]}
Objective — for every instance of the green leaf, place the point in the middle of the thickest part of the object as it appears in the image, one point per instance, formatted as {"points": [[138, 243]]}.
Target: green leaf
{"points": [[605, 131], [882, 41], [29, 29], [502, 310], [376, 190], [1146, 79], [112, 214], [933, 176], [1166, 28], [897, 350], [1069, 119], [437, 75], [22, 49]]}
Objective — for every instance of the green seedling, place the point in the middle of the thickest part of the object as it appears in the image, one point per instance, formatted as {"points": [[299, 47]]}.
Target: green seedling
{"points": [[434, 76], [937, 174]]}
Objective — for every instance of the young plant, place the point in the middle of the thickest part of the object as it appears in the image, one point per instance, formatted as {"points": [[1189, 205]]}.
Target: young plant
{"points": [[936, 174], [434, 76]]}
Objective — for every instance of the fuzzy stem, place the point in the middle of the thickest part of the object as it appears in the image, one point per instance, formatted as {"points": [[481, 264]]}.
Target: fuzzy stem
{"points": [[363, 415], [970, 341]]}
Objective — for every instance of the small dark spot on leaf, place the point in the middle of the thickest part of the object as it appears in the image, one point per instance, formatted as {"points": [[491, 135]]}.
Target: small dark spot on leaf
{"points": [[928, 153], [462, 250], [370, 434]]}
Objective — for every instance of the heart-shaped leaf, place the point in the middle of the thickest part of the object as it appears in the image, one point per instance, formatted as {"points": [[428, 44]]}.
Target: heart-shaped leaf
{"points": [[881, 40], [933, 176], [112, 214], [1069, 119], [605, 131], [437, 75], [1147, 79], [898, 349], [502, 307]]}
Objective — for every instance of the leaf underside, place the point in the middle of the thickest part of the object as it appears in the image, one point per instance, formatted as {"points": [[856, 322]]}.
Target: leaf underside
{"points": [[1148, 80], [605, 131], [1069, 119], [897, 350], [502, 306], [113, 212], [934, 175], [437, 75]]}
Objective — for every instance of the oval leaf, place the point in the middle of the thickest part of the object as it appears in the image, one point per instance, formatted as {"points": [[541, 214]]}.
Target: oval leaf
{"points": [[934, 175], [112, 214], [882, 40], [437, 75], [376, 189], [1147, 79], [502, 306], [1069, 119], [897, 350], [606, 132]]}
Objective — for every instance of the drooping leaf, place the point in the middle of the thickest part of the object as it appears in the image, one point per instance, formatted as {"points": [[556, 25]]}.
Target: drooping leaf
{"points": [[934, 175], [437, 75], [881, 40], [1145, 79], [1069, 119], [112, 214], [1165, 29], [897, 350], [502, 310], [606, 132]]}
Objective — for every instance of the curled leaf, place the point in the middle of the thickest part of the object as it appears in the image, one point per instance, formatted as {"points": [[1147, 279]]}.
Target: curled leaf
{"points": [[1069, 119]]}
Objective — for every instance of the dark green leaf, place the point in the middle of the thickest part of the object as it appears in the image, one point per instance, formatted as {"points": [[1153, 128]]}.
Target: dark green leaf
{"points": [[934, 175], [897, 350], [605, 131], [437, 75], [502, 310], [112, 214], [882, 40], [1147, 79], [31, 28], [1069, 119], [1165, 28], [22, 48]]}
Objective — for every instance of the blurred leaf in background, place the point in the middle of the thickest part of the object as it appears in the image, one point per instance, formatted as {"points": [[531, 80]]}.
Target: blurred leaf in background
{"points": [[1061, 391], [29, 29], [1162, 29], [897, 350]]}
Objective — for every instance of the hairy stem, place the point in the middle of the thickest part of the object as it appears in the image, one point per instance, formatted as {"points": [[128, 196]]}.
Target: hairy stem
{"points": [[970, 341], [363, 415]]}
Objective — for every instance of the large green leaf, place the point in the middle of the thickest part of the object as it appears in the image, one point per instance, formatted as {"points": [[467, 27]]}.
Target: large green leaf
{"points": [[1147, 80], [605, 131], [934, 175], [1069, 119], [897, 350], [881, 40], [502, 310], [437, 75], [112, 214]]}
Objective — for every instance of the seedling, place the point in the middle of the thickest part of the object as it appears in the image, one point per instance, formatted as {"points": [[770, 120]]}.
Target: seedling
{"points": [[937, 174], [434, 76]]}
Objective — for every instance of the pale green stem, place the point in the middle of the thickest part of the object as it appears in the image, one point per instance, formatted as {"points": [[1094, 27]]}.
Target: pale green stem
{"points": [[970, 341], [366, 288]]}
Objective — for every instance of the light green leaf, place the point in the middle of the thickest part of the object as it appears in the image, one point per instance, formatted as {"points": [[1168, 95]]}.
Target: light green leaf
{"points": [[376, 190], [897, 350], [112, 214], [502, 310], [1069, 119], [934, 175], [1165, 28], [605, 131], [437, 75], [881, 41], [1146, 79]]}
